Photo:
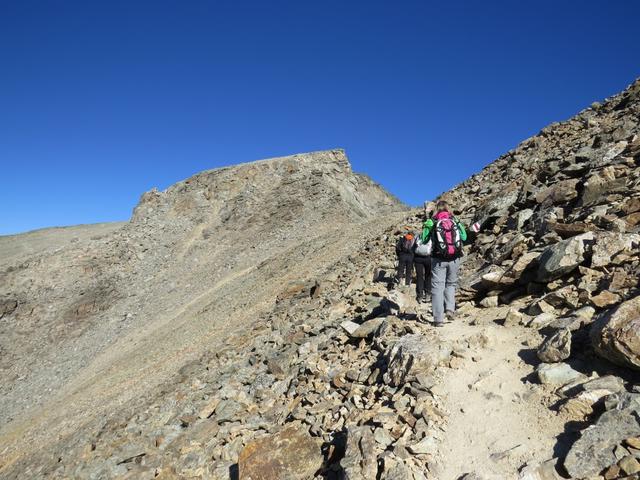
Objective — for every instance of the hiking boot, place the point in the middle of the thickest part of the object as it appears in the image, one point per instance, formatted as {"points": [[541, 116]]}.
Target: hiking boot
{"points": [[438, 324], [424, 299], [451, 316]]}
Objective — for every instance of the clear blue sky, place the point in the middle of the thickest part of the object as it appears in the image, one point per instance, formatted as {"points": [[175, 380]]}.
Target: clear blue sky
{"points": [[103, 100]]}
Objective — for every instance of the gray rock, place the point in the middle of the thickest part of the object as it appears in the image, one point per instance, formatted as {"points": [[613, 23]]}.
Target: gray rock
{"points": [[349, 326], [360, 459], [518, 221], [542, 320], [556, 348], [576, 320], [489, 302], [424, 446], [514, 317], [608, 382], [558, 193], [557, 374], [594, 450], [616, 336], [367, 328], [291, 454], [562, 258], [609, 244], [226, 411], [383, 437], [413, 355]]}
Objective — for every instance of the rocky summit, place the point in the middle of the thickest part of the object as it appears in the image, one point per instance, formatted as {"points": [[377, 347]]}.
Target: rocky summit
{"points": [[244, 324]]}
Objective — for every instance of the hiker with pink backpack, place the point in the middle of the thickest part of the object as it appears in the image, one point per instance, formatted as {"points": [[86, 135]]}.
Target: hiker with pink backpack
{"points": [[446, 235]]}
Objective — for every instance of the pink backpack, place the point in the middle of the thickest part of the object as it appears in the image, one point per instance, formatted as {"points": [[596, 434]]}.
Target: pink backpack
{"points": [[446, 237]]}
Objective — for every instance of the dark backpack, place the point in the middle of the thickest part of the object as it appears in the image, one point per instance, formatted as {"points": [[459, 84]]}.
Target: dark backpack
{"points": [[406, 243], [447, 243]]}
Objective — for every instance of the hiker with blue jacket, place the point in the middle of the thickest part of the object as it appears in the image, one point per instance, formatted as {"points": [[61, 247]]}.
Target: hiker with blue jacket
{"points": [[447, 235]]}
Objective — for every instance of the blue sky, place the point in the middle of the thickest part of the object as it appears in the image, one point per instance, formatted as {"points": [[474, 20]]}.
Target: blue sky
{"points": [[103, 100]]}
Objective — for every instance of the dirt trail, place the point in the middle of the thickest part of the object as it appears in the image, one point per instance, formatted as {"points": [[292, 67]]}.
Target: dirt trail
{"points": [[497, 420]]}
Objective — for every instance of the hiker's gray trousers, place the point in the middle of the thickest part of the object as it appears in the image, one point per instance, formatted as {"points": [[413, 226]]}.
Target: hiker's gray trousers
{"points": [[444, 280]]}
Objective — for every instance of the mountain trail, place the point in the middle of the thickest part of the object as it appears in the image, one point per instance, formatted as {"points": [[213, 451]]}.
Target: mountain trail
{"points": [[498, 421]]}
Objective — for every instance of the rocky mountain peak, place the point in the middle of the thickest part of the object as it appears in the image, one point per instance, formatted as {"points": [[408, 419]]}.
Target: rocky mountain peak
{"points": [[303, 186]]}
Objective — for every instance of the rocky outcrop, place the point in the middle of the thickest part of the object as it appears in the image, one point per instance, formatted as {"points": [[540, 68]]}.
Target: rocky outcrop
{"points": [[411, 356], [616, 336], [602, 445], [562, 258], [291, 454]]}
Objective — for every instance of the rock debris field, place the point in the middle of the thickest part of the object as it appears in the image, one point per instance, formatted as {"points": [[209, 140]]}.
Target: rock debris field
{"points": [[244, 325]]}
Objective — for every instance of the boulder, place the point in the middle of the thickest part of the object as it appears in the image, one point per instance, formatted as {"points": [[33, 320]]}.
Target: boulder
{"points": [[363, 330], [610, 244], [593, 452], [599, 185], [542, 320], [608, 382], [360, 459], [413, 355], [563, 297], [605, 299], [556, 348], [568, 230], [581, 406], [562, 258], [518, 219], [523, 262], [424, 446], [558, 193], [557, 374], [489, 302], [497, 279], [367, 328], [513, 317], [349, 326], [616, 335], [291, 454]]}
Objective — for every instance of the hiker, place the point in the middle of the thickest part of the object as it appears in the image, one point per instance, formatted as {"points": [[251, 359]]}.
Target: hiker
{"points": [[404, 252], [447, 235], [422, 264]]}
